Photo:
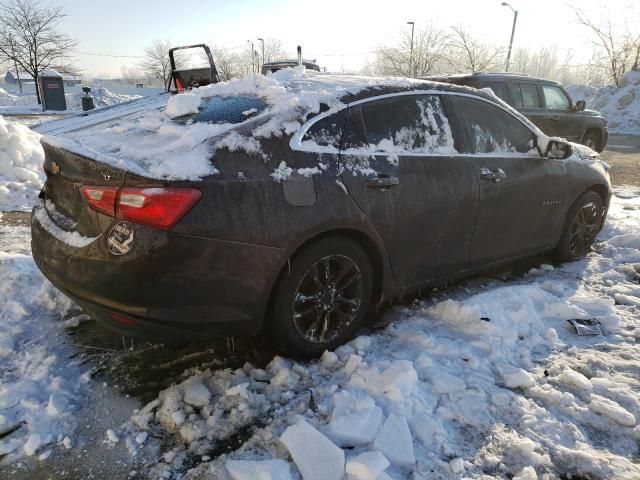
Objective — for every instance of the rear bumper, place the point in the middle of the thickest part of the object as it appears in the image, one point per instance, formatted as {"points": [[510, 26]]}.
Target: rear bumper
{"points": [[169, 286]]}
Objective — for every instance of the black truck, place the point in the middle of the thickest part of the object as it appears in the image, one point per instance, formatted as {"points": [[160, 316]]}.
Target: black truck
{"points": [[545, 102]]}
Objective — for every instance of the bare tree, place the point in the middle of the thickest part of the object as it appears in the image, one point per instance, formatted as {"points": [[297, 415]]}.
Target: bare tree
{"points": [[470, 54], [156, 63], [428, 49], [131, 75], [227, 63], [273, 50], [29, 37], [620, 47]]}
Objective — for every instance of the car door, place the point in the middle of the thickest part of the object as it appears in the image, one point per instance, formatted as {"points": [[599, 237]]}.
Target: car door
{"points": [[401, 166], [521, 193], [560, 113]]}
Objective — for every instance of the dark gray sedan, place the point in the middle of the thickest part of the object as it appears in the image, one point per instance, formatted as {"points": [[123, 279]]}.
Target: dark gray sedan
{"points": [[386, 190]]}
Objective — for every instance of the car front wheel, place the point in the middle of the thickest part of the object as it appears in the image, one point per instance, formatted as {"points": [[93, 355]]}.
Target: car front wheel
{"points": [[582, 225], [591, 140], [321, 298]]}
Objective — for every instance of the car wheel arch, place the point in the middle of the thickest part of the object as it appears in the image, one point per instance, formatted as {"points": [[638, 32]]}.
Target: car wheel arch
{"points": [[597, 133], [372, 249]]}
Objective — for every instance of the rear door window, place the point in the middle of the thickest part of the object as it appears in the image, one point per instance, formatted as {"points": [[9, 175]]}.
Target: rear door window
{"points": [[491, 130], [326, 131], [555, 99], [405, 124], [501, 90], [525, 95]]}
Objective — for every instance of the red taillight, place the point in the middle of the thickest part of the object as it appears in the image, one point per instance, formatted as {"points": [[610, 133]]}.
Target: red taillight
{"points": [[102, 199], [156, 207], [121, 319]]}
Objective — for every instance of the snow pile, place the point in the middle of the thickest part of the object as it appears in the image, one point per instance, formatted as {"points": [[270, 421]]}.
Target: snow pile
{"points": [[619, 106], [40, 386], [493, 383], [102, 97], [21, 173], [182, 104]]}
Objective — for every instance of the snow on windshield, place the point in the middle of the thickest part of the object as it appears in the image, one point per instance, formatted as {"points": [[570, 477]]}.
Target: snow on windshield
{"points": [[151, 143]]}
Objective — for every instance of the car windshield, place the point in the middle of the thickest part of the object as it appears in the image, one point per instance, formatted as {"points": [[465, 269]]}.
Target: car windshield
{"points": [[227, 110]]}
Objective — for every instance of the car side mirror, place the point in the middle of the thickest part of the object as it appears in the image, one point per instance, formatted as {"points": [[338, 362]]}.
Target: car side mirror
{"points": [[580, 106], [558, 150]]}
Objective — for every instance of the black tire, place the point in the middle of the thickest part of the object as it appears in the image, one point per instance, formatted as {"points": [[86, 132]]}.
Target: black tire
{"points": [[592, 141], [581, 227], [312, 309]]}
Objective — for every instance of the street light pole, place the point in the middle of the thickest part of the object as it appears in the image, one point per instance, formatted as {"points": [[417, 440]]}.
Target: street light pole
{"points": [[513, 31], [261, 40], [411, 51]]}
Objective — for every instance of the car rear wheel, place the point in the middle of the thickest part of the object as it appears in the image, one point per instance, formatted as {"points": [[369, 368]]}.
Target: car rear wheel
{"points": [[582, 225], [591, 140], [322, 298]]}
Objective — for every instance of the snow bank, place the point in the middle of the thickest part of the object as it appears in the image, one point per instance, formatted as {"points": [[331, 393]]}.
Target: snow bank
{"points": [[21, 173], [620, 106], [491, 381], [41, 385]]}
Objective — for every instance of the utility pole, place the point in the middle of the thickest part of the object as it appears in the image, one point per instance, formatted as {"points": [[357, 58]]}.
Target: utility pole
{"points": [[513, 31], [15, 64], [261, 40], [411, 51]]}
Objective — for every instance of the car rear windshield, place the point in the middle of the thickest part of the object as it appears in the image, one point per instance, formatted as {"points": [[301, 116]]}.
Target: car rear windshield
{"points": [[227, 110]]}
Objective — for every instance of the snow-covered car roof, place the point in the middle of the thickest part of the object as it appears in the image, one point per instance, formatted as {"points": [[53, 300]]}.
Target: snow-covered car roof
{"points": [[152, 143]]}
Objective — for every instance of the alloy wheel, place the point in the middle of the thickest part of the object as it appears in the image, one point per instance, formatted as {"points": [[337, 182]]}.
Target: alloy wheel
{"points": [[584, 230], [328, 298]]}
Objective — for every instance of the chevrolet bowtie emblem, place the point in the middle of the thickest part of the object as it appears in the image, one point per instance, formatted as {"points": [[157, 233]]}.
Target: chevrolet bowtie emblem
{"points": [[55, 168]]}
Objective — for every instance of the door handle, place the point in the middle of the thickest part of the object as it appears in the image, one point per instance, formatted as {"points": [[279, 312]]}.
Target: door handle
{"points": [[496, 176], [382, 181]]}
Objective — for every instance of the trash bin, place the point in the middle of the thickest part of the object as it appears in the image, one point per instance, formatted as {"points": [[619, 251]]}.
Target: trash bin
{"points": [[87, 100], [52, 90]]}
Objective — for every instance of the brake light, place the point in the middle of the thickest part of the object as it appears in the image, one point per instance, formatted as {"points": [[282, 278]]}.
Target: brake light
{"points": [[102, 199], [155, 207]]}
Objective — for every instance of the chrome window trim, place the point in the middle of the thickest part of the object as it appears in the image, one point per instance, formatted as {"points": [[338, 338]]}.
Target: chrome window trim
{"points": [[296, 140]]}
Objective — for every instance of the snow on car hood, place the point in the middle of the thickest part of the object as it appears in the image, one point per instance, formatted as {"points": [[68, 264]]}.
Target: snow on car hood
{"points": [[153, 144]]}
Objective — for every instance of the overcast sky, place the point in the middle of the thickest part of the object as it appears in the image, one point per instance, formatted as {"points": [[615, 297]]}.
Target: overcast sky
{"points": [[338, 33]]}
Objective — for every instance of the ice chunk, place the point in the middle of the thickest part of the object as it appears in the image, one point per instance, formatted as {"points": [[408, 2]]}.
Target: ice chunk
{"points": [[515, 377], [353, 363], [196, 394], [182, 104], [58, 403], [355, 420], [32, 445], [141, 438], [457, 465], [575, 379], [367, 466], [329, 359], [445, 383], [317, 457], [527, 473], [395, 442], [613, 410], [274, 469], [112, 437]]}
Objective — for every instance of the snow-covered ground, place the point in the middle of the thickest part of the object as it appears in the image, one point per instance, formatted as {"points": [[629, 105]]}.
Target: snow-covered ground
{"points": [[17, 104], [487, 380], [620, 106]]}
